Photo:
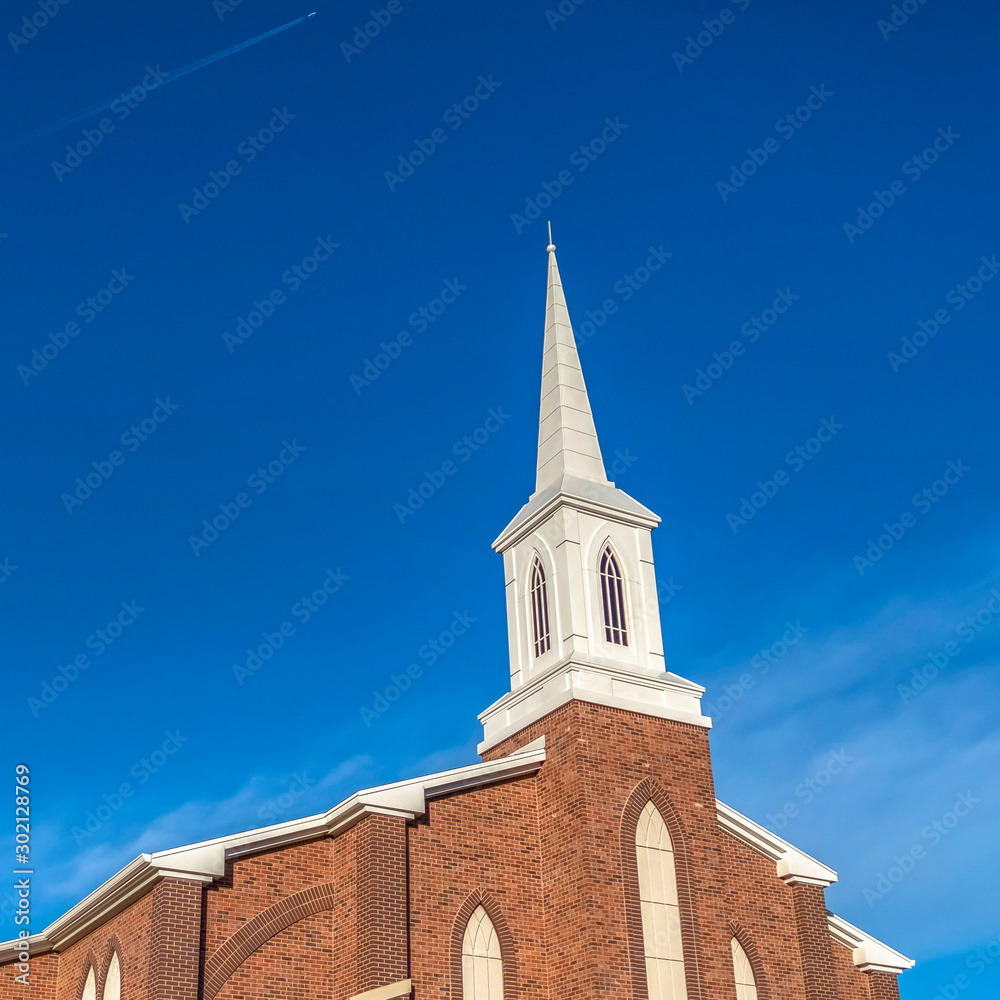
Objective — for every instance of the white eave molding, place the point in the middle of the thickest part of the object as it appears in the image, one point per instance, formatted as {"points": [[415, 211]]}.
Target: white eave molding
{"points": [[598, 499], [661, 694], [870, 954], [206, 861], [795, 867]]}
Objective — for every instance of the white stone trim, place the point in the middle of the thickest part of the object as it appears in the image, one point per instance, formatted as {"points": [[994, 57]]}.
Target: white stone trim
{"points": [[401, 989], [605, 501], [870, 954], [793, 866], [38, 944], [661, 694], [797, 867], [206, 861]]}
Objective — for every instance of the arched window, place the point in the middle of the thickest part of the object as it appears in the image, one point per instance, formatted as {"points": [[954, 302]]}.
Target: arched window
{"points": [[746, 985], [613, 595], [538, 597], [482, 965], [90, 986], [661, 921], [113, 980]]}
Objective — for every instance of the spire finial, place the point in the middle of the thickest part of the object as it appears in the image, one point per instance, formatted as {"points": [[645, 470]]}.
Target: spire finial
{"points": [[551, 247]]}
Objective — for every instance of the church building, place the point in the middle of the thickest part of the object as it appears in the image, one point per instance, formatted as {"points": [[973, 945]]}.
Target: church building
{"points": [[585, 856]]}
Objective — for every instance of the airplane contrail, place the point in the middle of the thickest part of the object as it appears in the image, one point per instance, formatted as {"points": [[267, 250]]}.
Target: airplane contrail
{"points": [[170, 77]]}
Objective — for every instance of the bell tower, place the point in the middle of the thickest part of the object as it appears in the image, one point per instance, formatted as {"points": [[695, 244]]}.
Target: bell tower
{"points": [[583, 620]]}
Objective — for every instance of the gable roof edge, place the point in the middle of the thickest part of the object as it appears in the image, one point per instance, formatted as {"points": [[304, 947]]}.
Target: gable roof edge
{"points": [[796, 867], [206, 861]]}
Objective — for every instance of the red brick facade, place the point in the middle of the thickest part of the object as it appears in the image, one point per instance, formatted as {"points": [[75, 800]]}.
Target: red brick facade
{"points": [[549, 855]]}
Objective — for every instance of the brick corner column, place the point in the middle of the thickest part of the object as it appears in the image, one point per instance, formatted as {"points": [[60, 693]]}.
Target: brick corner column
{"points": [[383, 905], [811, 924], [175, 941], [883, 985]]}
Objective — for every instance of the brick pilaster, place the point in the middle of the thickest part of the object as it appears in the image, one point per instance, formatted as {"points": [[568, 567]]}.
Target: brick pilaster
{"points": [[383, 946], [175, 940], [814, 942], [883, 985]]}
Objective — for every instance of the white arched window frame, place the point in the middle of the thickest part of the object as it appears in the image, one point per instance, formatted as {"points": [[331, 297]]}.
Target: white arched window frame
{"points": [[90, 986], [113, 980], [746, 985], [538, 608], [613, 605], [661, 922], [482, 963]]}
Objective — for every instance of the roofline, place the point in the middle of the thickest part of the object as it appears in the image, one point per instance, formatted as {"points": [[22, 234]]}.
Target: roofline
{"points": [[527, 519], [205, 861], [870, 954], [794, 866]]}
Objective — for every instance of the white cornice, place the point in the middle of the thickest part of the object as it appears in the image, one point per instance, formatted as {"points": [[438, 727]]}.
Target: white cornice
{"points": [[797, 867], [870, 954], [38, 944], [661, 694], [206, 861], [601, 500], [793, 866]]}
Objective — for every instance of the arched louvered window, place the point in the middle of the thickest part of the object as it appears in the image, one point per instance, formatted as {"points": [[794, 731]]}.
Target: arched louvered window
{"points": [[661, 922], [746, 985], [113, 980], [538, 598], [482, 964], [90, 987], [613, 596]]}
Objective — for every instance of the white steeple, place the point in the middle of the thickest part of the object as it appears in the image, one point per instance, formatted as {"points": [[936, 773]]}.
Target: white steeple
{"points": [[583, 618], [567, 438]]}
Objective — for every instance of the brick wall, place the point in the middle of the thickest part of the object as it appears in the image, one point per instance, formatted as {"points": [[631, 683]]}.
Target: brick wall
{"points": [[883, 986], [131, 933], [745, 890], [61, 977], [382, 902], [815, 944], [252, 884], [43, 979], [293, 965], [851, 984], [596, 758], [175, 941], [259, 895], [480, 847], [550, 857]]}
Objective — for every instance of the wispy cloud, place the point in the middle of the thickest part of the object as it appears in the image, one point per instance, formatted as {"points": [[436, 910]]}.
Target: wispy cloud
{"points": [[444, 760], [78, 872], [911, 758]]}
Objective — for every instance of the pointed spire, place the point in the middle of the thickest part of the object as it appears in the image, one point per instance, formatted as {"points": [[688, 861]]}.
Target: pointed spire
{"points": [[567, 438]]}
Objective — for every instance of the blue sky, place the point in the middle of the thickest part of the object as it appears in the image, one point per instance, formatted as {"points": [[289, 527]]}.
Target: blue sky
{"points": [[271, 181]]}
